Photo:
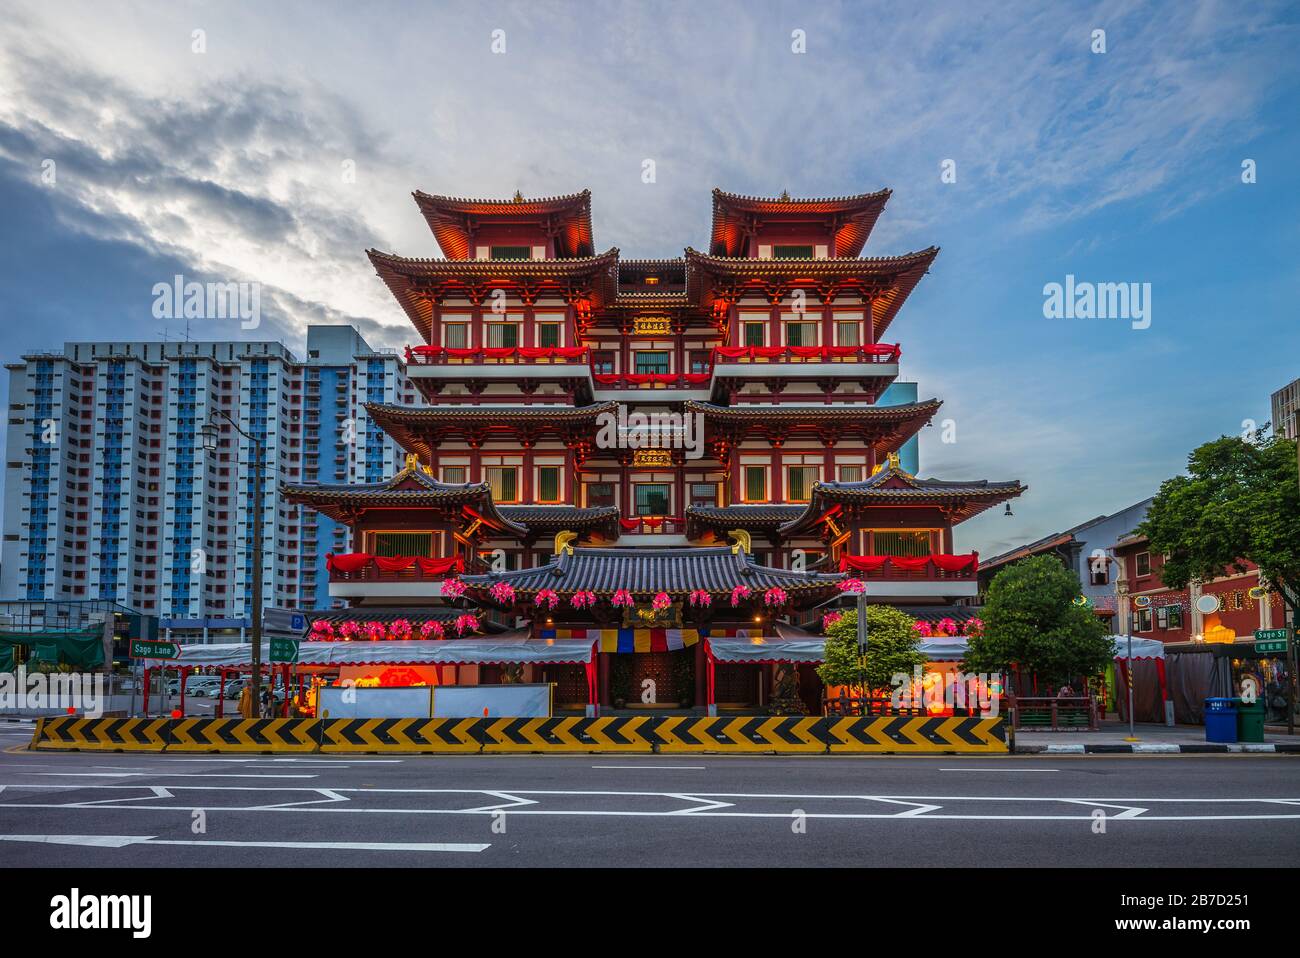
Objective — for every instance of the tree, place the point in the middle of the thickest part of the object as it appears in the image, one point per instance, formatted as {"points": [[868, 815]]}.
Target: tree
{"points": [[1031, 621], [891, 648], [1239, 501]]}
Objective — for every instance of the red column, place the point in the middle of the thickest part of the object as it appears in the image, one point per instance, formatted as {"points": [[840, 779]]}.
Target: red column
{"points": [[526, 487], [701, 677], [777, 490], [435, 325], [603, 667]]}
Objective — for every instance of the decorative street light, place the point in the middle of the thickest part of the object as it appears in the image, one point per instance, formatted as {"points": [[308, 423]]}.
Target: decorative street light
{"points": [[210, 435]]}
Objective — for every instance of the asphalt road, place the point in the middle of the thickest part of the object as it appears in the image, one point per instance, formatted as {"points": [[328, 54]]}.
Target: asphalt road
{"points": [[121, 810]]}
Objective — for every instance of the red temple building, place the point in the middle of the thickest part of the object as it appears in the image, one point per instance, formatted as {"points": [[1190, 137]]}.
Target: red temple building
{"points": [[648, 453]]}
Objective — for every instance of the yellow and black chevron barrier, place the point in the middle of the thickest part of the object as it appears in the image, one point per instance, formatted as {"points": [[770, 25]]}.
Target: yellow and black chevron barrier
{"points": [[244, 735], [101, 734], [645, 734], [608, 734], [455, 735], [888, 733], [742, 734]]}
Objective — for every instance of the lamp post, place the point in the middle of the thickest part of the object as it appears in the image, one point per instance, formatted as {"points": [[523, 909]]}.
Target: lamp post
{"points": [[862, 644], [211, 435]]}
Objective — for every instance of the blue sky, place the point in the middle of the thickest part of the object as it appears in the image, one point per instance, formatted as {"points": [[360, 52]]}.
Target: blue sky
{"points": [[1122, 166]]}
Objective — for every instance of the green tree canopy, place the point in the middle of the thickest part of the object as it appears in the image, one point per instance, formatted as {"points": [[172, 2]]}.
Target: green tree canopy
{"points": [[1239, 501], [891, 648], [1031, 621]]}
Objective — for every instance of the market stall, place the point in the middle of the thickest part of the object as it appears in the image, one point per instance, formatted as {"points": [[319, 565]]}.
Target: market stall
{"points": [[1139, 660], [789, 647]]}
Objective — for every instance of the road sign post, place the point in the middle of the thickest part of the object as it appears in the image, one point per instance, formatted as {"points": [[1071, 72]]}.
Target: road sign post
{"points": [[1272, 640], [141, 649]]}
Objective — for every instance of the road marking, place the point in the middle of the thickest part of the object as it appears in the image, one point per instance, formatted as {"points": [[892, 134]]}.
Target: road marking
{"points": [[121, 841], [160, 775], [653, 766], [999, 769]]}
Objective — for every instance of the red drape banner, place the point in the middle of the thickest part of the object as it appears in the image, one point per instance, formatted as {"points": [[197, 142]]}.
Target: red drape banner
{"points": [[499, 352], [697, 379], [806, 352], [956, 563], [862, 563], [731, 352], [441, 566], [461, 353], [394, 563], [347, 561], [608, 379]]}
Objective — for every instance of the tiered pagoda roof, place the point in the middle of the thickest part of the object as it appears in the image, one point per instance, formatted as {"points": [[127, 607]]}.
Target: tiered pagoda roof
{"points": [[754, 517], [412, 427], [412, 488], [892, 486], [453, 219], [548, 520], [852, 218], [885, 427], [678, 571]]}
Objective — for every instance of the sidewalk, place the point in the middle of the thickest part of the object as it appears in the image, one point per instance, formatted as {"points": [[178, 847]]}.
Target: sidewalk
{"points": [[1152, 738]]}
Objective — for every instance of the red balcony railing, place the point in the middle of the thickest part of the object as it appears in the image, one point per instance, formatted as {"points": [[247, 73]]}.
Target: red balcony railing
{"points": [[487, 355], [653, 525], [364, 567], [877, 353], [931, 568], [652, 380]]}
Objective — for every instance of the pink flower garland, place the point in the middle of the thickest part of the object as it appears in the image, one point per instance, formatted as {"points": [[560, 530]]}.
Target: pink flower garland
{"points": [[701, 597], [922, 628], [582, 599], [852, 586], [660, 602], [467, 623], [738, 593], [502, 592], [400, 629], [546, 597], [322, 630], [349, 631], [975, 626], [453, 588], [775, 596], [947, 626], [830, 618], [375, 631], [622, 597], [432, 629]]}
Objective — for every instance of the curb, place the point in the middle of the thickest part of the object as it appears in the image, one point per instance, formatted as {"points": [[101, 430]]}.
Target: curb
{"points": [[1163, 748]]}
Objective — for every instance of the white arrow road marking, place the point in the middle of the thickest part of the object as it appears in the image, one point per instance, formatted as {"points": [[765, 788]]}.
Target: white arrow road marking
{"points": [[157, 791], [999, 769], [674, 767], [330, 796], [160, 775], [919, 809], [707, 806], [121, 841], [507, 801]]}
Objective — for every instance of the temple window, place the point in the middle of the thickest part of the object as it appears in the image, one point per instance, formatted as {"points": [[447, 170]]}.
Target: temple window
{"points": [[755, 334], [850, 474], [792, 252], [755, 483], [504, 483], [848, 333], [700, 361], [599, 494], [799, 482], [548, 334], [455, 335], [454, 474], [511, 252], [548, 483], [704, 494], [909, 543], [603, 363], [801, 334], [651, 498], [651, 361], [502, 335], [401, 544]]}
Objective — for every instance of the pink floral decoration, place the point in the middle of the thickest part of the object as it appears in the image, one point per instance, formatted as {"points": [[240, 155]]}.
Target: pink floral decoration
{"points": [[502, 592], [376, 632], [975, 626], [922, 628], [660, 602], [830, 618], [349, 631], [467, 623], [546, 597], [775, 596], [432, 630], [701, 597], [401, 629], [322, 630], [738, 593], [622, 597], [582, 599], [453, 588], [852, 586], [947, 626]]}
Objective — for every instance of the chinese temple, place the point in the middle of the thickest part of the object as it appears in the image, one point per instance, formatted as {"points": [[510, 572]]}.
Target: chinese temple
{"points": [[651, 453]]}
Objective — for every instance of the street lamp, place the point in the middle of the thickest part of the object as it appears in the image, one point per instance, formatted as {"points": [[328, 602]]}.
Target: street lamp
{"points": [[210, 435]]}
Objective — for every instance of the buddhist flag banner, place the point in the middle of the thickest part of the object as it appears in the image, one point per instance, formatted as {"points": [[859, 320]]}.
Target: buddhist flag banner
{"points": [[641, 640]]}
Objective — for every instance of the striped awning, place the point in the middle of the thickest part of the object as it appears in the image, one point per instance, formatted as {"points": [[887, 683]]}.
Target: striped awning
{"points": [[641, 640]]}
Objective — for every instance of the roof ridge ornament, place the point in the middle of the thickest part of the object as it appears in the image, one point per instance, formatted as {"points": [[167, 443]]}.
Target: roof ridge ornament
{"points": [[564, 542], [518, 197], [741, 541]]}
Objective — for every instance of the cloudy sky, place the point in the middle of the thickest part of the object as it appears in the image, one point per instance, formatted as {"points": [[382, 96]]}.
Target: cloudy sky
{"points": [[221, 154]]}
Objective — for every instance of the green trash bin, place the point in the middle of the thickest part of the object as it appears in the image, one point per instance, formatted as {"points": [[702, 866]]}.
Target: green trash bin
{"points": [[1250, 721]]}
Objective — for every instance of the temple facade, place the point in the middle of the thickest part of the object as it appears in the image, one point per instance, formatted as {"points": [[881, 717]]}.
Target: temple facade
{"points": [[651, 452]]}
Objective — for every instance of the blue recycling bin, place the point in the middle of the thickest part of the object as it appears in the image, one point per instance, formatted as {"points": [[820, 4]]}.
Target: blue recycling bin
{"points": [[1221, 720]]}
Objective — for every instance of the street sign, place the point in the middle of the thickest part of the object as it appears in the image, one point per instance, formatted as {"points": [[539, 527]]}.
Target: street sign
{"points": [[154, 650], [288, 622], [284, 650], [1271, 640]]}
